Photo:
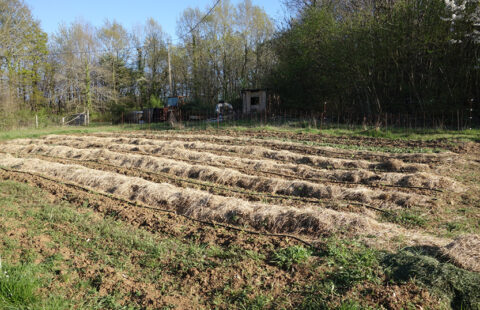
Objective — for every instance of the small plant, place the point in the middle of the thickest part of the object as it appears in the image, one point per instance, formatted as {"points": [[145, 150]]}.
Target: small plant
{"points": [[287, 257]]}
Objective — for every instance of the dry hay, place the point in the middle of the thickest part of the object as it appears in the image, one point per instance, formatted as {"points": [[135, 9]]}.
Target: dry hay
{"points": [[464, 252], [226, 176], [271, 141], [260, 152], [312, 221], [427, 180]]}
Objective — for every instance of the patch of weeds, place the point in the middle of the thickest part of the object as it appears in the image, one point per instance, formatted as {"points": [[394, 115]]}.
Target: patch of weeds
{"points": [[352, 263], [320, 296], [406, 218], [351, 305], [286, 258], [256, 256], [28, 255], [189, 256], [151, 258], [316, 296], [243, 299], [109, 302], [19, 287], [51, 261], [233, 253]]}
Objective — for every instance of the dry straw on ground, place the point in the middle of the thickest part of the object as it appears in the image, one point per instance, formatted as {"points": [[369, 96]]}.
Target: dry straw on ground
{"points": [[423, 179], [464, 251], [259, 152], [272, 142], [227, 177], [312, 221]]}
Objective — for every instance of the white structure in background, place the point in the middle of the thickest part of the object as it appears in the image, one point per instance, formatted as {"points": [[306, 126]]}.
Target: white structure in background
{"points": [[254, 100]]}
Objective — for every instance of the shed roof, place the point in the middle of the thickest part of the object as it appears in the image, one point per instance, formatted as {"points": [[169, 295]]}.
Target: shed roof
{"points": [[253, 90]]}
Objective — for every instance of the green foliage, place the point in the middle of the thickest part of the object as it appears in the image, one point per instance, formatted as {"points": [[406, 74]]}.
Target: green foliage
{"points": [[156, 102], [399, 59], [19, 285], [352, 263], [286, 258], [241, 300]]}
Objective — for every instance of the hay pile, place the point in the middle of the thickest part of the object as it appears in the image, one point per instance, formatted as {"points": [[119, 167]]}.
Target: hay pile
{"points": [[260, 152], [461, 286], [456, 250], [425, 158], [227, 177], [315, 222], [419, 179]]}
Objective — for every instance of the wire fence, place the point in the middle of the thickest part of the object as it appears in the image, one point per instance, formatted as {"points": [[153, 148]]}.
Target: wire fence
{"points": [[457, 120], [33, 121]]}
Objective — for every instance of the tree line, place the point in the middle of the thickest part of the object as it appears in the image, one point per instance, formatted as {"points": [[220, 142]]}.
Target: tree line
{"points": [[363, 57], [109, 69], [374, 56]]}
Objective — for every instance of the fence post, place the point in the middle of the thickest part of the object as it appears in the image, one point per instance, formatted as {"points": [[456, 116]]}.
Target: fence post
{"points": [[458, 120], [386, 121], [36, 121], [63, 121], [470, 117]]}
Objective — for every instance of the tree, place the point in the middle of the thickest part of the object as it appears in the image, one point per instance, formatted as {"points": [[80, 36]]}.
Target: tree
{"points": [[388, 56], [226, 49], [155, 49], [115, 42], [22, 55], [76, 49]]}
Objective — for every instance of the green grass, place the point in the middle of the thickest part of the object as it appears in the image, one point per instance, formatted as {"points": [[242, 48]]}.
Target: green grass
{"points": [[407, 218], [392, 134], [288, 257], [36, 133], [19, 289], [358, 131], [352, 263]]}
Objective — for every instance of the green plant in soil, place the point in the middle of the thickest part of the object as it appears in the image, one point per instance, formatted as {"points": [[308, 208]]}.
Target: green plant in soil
{"points": [[288, 257]]}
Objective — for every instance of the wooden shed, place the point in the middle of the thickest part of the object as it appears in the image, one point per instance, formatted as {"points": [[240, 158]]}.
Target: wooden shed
{"points": [[254, 100]]}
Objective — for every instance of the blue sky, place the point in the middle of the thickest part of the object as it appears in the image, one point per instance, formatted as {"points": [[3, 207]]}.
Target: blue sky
{"points": [[129, 13]]}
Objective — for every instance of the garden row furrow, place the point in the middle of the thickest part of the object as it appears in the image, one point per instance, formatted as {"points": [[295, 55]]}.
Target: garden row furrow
{"points": [[297, 147], [259, 153], [227, 177], [419, 180], [315, 222], [223, 190]]}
